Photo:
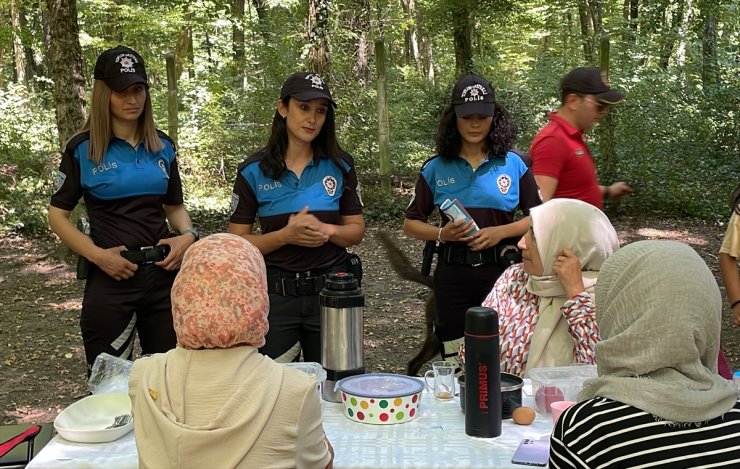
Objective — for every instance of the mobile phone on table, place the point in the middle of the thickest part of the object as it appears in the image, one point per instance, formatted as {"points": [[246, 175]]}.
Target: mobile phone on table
{"points": [[532, 453]]}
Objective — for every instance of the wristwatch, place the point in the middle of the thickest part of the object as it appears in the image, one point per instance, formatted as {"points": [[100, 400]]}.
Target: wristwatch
{"points": [[192, 231]]}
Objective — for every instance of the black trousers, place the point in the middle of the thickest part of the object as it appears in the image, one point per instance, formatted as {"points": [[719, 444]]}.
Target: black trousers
{"points": [[457, 287], [295, 326], [113, 311]]}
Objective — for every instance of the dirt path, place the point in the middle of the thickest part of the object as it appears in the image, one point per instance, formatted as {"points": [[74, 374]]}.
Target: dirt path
{"points": [[41, 360]]}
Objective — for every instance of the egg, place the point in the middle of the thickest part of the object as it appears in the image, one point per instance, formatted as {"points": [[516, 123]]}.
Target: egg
{"points": [[523, 415]]}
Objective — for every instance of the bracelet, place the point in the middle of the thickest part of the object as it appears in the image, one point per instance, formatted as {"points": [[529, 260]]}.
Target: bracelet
{"points": [[607, 193], [192, 231], [735, 304], [439, 235]]}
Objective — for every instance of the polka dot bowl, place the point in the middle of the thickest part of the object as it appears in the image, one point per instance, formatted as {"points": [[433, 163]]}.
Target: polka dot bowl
{"points": [[380, 398]]}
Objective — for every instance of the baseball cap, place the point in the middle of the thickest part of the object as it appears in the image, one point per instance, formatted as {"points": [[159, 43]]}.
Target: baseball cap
{"points": [[306, 86], [120, 68], [589, 80], [473, 94]]}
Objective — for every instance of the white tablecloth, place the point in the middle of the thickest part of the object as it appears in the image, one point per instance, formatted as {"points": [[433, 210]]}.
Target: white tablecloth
{"points": [[436, 438]]}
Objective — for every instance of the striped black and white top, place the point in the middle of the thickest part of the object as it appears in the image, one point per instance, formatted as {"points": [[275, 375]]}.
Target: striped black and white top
{"points": [[602, 433]]}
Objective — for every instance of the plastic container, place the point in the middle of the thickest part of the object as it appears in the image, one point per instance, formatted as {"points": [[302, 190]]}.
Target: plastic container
{"points": [[560, 383], [88, 420], [310, 368], [736, 380], [380, 398]]}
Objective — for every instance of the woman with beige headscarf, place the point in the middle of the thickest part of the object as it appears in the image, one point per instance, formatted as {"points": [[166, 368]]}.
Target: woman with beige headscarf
{"points": [[214, 401], [545, 305], [658, 400]]}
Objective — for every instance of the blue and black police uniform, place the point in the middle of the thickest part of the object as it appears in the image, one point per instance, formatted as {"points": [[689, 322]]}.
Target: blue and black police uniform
{"points": [[124, 196], [491, 194], [295, 274]]}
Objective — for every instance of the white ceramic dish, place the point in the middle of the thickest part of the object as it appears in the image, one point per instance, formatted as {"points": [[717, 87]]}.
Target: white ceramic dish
{"points": [[86, 420], [380, 398]]}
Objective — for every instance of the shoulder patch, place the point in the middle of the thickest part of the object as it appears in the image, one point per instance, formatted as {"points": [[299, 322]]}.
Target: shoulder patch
{"points": [[234, 203], [59, 181]]}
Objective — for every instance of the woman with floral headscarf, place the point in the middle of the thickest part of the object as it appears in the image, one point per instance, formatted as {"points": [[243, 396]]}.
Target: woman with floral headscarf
{"points": [[545, 305], [215, 400]]}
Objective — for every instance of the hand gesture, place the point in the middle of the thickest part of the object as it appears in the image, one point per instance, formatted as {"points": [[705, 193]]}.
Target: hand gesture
{"points": [[305, 230], [567, 269]]}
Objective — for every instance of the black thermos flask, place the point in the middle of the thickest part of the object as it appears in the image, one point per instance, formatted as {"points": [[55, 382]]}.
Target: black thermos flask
{"points": [[482, 373]]}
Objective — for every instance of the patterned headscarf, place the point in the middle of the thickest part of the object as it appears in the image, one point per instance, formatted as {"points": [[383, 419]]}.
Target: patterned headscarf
{"points": [[219, 298], [660, 315]]}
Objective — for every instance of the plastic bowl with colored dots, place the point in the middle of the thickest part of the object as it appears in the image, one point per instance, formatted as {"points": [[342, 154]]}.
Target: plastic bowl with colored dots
{"points": [[380, 398]]}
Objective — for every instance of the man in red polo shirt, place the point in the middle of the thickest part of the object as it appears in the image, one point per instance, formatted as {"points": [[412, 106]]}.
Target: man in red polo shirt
{"points": [[562, 164]]}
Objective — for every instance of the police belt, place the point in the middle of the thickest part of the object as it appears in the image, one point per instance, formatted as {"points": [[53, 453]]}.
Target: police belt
{"points": [[462, 255], [286, 283], [146, 254]]}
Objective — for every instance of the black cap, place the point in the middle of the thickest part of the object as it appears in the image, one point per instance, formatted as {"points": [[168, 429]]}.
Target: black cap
{"points": [[590, 80], [306, 86], [473, 95], [120, 68]]}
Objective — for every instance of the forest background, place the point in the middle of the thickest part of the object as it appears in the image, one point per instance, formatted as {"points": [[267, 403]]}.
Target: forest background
{"points": [[391, 65]]}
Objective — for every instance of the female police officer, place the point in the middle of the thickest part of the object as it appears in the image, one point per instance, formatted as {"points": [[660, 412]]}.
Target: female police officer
{"points": [[475, 165], [127, 172], [304, 190]]}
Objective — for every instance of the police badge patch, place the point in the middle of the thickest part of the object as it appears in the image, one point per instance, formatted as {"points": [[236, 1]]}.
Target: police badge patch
{"points": [[330, 184], [504, 183], [59, 181], [234, 203]]}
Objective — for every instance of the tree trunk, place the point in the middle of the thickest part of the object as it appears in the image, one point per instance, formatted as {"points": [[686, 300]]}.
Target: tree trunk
{"points": [[361, 27], [237, 40], [184, 47], [607, 151], [112, 28], [22, 65], [670, 33], [709, 70], [589, 14], [66, 67], [261, 8], [683, 31], [461, 32], [384, 145], [317, 29], [411, 49], [172, 118], [630, 13]]}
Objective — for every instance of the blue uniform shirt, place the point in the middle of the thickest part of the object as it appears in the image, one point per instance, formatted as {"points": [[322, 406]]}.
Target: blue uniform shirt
{"points": [[329, 191]]}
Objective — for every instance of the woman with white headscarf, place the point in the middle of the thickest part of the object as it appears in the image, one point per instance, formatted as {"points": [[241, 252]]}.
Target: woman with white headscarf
{"points": [[215, 401], [658, 400], [545, 305]]}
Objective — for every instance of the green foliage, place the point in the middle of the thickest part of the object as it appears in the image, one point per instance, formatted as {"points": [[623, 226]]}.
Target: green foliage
{"points": [[676, 141], [27, 130], [382, 205]]}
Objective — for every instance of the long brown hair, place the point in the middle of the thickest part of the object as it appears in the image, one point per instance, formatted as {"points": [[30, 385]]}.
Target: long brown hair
{"points": [[101, 129]]}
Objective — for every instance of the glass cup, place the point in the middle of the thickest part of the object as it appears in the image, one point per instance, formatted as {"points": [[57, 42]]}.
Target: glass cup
{"points": [[444, 379]]}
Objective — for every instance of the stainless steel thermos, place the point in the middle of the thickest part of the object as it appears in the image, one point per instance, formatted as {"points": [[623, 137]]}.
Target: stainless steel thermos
{"points": [[482, 373], [342, 337]]}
